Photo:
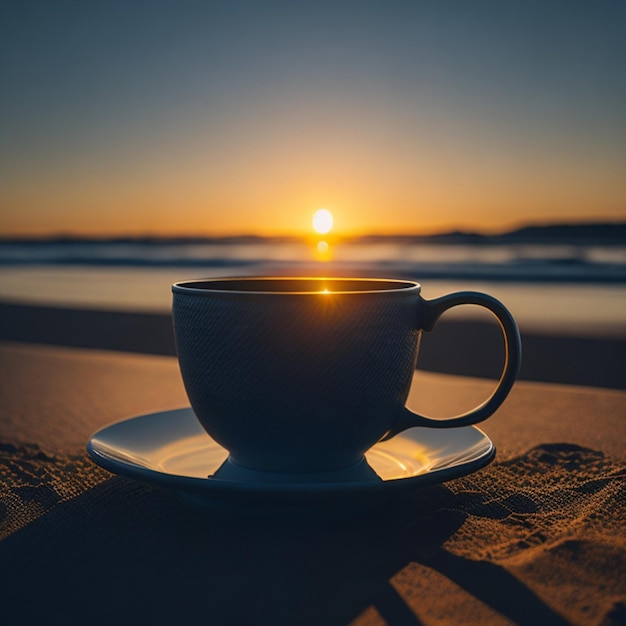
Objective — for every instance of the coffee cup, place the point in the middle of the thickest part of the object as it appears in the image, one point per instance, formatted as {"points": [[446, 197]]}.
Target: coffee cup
{"points": [[306, 374]]}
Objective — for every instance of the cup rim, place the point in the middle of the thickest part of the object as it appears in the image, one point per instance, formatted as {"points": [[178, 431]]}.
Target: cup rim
{"points": [[205, 286]]}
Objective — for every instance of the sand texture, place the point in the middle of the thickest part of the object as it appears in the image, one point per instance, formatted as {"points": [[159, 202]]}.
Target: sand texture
{"points": [[538, 537]]}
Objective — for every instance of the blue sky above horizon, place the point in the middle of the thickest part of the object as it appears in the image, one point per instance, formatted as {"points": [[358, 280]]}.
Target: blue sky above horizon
{"points": [[234, 116]]}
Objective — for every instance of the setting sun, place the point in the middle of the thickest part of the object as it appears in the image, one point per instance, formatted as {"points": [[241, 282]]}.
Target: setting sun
{"points": [[322, 221]]}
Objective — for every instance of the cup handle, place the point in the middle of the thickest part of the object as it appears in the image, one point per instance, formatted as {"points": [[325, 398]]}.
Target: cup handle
{"points": [[432, 310]]}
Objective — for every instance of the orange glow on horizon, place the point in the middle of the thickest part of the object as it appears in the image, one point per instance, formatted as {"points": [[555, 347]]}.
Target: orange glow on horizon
{"points": [[100, 208]]}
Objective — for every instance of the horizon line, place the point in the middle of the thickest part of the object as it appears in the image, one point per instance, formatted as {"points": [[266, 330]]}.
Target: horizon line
{"points": [[528, 228]]}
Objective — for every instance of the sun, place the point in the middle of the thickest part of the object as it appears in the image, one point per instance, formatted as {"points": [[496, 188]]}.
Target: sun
{"points": [[322, 221]]}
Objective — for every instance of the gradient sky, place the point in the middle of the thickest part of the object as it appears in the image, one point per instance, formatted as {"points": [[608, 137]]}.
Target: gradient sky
{"points": [[216, 117]]}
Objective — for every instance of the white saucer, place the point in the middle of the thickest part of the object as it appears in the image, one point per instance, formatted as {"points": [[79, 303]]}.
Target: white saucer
{"points": [[170, 449]]}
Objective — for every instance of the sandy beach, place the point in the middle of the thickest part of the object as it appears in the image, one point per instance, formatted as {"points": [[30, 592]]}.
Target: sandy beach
{"points": [[535, 538]]}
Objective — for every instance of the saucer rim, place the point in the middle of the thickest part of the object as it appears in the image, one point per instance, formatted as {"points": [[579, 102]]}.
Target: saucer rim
{"points": [[214, 486]]}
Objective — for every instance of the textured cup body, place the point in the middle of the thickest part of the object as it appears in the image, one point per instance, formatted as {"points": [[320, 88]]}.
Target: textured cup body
{"points": [[297, 382]]}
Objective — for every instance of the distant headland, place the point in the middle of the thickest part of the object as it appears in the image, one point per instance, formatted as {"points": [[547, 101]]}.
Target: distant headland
{"points": [[588, 233]]}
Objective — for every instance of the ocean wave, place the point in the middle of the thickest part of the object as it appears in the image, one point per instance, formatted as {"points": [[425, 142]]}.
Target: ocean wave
{"points": [[507, 263]]}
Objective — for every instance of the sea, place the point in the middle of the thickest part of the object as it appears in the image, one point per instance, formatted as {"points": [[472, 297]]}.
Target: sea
{"points": [[577, 288]]}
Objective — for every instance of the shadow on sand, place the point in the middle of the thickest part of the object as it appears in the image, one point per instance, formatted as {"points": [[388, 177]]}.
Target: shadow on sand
{"points": [[123, 552]]}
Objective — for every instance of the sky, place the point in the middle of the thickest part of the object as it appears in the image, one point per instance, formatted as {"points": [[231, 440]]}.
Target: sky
{"points": [[222, 117]]}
